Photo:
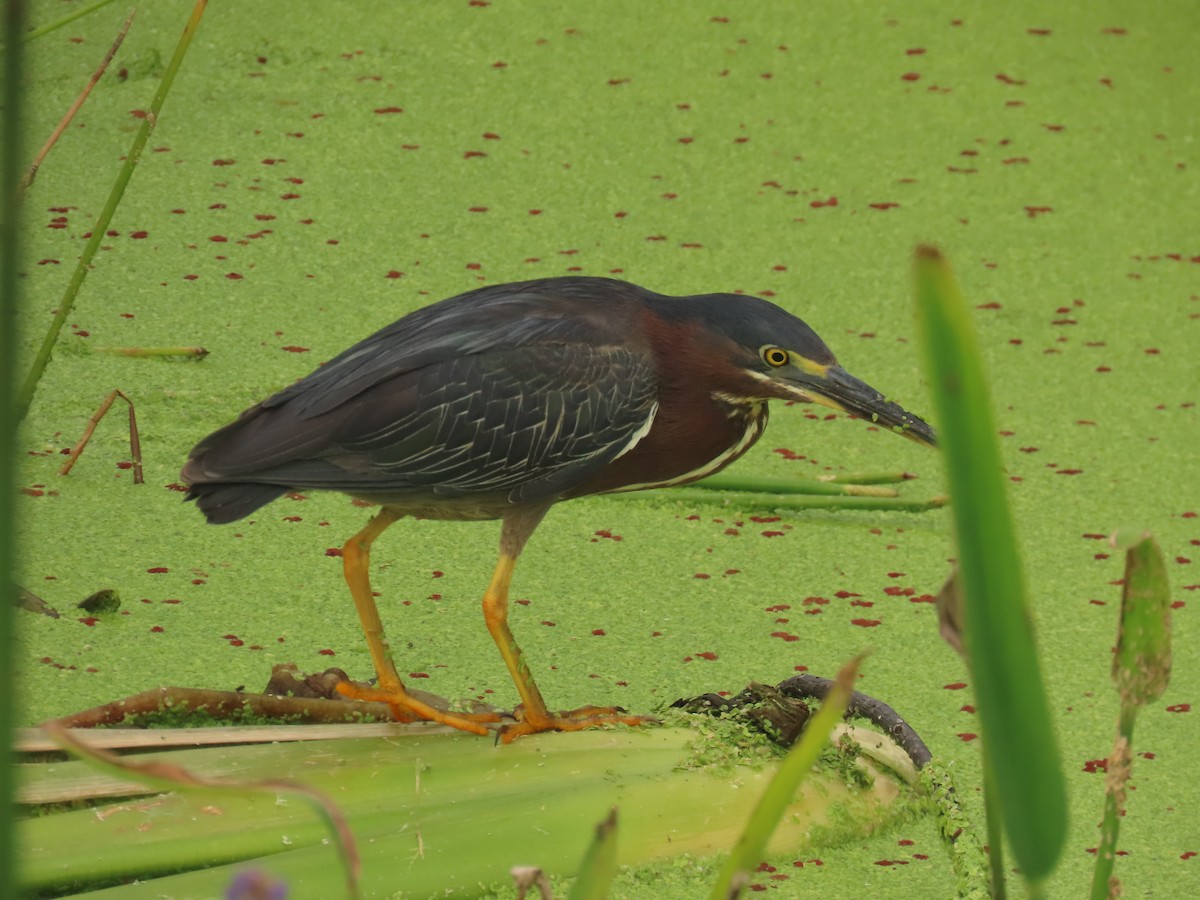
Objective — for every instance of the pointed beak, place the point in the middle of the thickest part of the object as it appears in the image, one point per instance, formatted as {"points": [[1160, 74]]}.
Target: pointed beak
{"points": [[838, 389]]}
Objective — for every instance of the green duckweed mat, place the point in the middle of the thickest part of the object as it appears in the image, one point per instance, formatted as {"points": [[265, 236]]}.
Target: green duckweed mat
{"points": [[321, 169]]}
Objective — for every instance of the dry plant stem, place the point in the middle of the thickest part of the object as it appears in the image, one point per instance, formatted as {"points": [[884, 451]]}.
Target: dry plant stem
{"points": [[83, 95], [135, 443], [25, 397]]}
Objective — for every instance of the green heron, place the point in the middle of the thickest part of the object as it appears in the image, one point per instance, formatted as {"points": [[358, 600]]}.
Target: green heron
{"points": [[501, 402]]}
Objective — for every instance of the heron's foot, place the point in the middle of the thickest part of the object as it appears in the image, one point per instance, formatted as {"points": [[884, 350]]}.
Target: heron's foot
{"points": [[408, 708], [575, 720]]}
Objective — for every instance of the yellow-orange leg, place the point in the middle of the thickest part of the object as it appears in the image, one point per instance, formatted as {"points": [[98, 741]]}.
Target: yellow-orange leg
{"points": [[534, 716], [356, 558]]}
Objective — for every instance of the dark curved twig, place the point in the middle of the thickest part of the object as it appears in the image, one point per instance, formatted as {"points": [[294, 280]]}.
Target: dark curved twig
{"points": [[864, 707]]}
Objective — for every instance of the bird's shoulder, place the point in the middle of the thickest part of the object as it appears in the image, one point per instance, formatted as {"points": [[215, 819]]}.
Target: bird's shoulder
{"points": [[593, 315]]}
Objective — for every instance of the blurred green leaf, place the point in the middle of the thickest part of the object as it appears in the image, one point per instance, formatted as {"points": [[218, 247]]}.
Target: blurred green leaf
{"points": [[599, 865], [1013, 710]]}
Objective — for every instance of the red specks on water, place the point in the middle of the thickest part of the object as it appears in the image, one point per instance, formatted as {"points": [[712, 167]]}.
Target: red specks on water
{"points": [[289, 196], [896, 574], [1095, 765], [954, 686], [156, 629], [911, 76], [474, 154], [702, 575], [1183, 561], [863, 603], [158, 570], [785, 636], [1180, 708], [549, 624], [1034, 211], [915, 51], [474, 266], [294, 349], [1040, 32], [897, 591], [1069, 472], [333, 551], [1055, 128], [89, 621], [1119, 32], [235, 276], [967, 736], [884, 205], [708, 655], [821, 204], [1187, 854], [605, 533], [778, 607], [1015, 161], [394, 273], [477, 209], [1008, 79], [866, 623], [388, 110], [771, 534], [842, 595], [139, 235], [326, 652]]}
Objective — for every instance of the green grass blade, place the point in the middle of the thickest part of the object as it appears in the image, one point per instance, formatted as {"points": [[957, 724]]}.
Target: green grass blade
{"points": [[767, 484], [752, 845], [25, 398], [11, 160], [43, 30], [746, 500], [599, 866], [1013, 710]]}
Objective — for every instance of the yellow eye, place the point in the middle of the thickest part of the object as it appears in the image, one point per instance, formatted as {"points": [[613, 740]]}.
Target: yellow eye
{"points": [[775, 356]]}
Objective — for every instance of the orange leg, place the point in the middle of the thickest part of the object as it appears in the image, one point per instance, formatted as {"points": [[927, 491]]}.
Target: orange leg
{"points": [[534, 716], [356, 556]]}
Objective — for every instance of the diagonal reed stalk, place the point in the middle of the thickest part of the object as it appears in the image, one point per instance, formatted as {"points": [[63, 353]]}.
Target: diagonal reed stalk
{"points": [[25, 397]]}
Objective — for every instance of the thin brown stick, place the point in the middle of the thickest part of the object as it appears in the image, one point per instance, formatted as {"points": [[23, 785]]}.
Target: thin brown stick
{"points": [[66, 120], [135, 443]]}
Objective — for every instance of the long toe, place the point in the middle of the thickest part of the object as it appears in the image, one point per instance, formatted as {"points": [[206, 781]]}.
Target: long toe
{"points": [[407, 708]]}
